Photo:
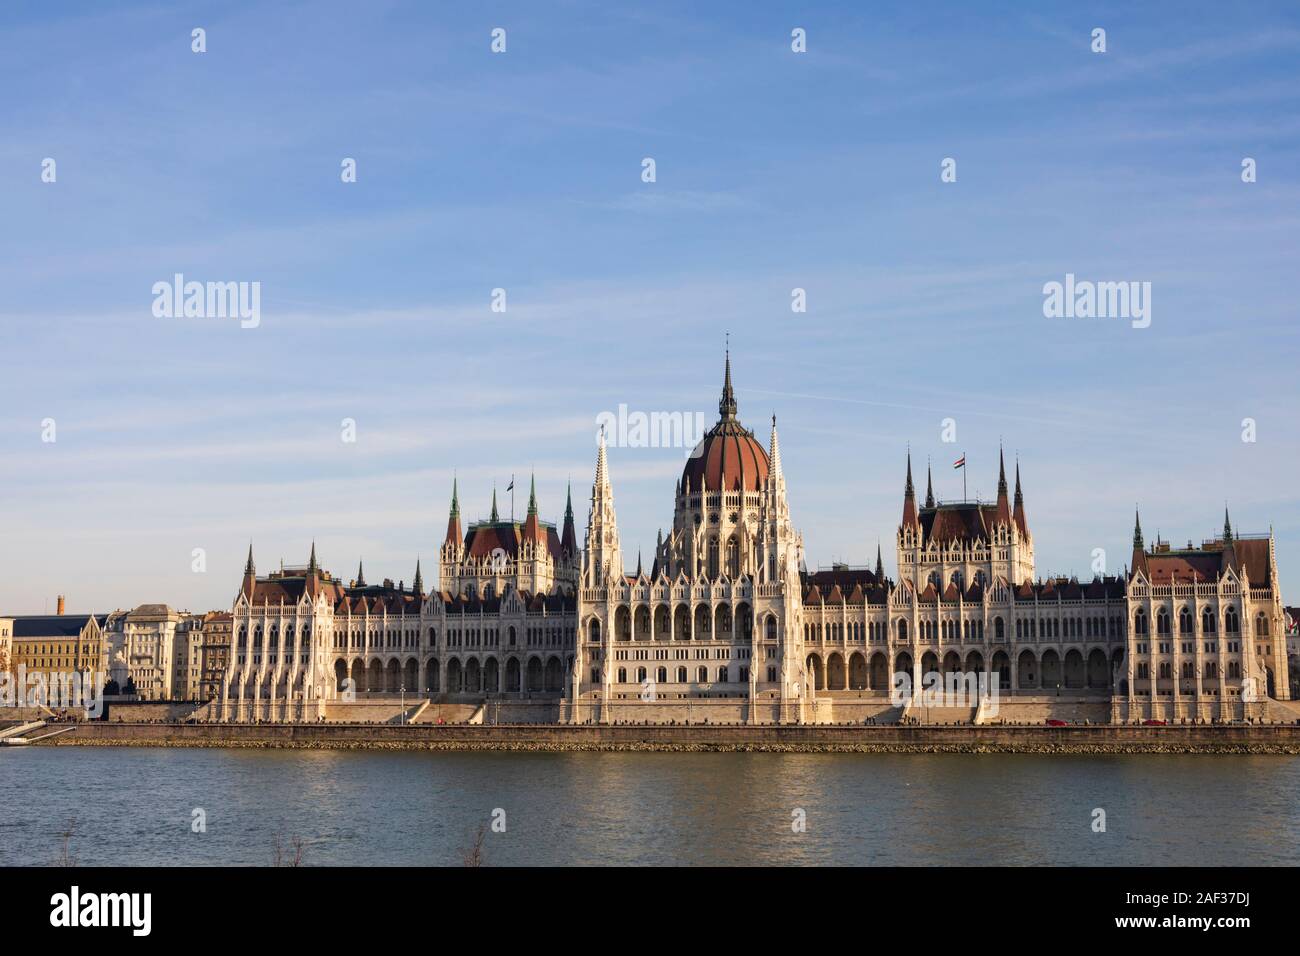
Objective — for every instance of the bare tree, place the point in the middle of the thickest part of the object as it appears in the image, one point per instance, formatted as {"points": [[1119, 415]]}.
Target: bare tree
{"points": [[287, 856], [474, 855], [66, 857]]}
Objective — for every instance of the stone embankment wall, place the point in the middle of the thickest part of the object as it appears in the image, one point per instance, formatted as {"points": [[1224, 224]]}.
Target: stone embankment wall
{"points": [[1263, 738]]}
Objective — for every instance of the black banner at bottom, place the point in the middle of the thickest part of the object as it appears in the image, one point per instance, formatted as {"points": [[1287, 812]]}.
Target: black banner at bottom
{"points": [[186, 906]]}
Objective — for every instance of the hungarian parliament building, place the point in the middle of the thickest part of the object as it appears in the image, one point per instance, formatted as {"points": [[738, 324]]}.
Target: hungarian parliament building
{"points": [[728, 625]]}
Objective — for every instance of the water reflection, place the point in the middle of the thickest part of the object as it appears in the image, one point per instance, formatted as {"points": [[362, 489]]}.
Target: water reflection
{"points": [[134, 806]]}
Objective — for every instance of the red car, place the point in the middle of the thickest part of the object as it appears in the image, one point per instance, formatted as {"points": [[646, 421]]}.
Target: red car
{"points": [[1153, 723], [1057, 723]]}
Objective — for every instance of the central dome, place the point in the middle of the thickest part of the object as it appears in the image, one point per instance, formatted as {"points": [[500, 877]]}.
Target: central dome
{"points": [[728, 458]]}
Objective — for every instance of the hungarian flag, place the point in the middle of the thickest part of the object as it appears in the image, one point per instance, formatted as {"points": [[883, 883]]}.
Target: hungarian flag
{"points": [[960, 462]]}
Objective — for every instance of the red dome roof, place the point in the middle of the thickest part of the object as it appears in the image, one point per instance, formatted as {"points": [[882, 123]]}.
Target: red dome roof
{"points": [[729, 458]]}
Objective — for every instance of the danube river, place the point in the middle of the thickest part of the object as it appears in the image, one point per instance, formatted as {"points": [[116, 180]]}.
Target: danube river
{"points": [[132, 806]]}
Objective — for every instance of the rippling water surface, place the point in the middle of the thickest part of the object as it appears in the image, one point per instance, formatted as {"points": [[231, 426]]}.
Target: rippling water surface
{"points": [[135, 806]]}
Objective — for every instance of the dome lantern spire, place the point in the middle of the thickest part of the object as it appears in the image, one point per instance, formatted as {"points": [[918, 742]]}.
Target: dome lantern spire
{"points": [[727, 404]]}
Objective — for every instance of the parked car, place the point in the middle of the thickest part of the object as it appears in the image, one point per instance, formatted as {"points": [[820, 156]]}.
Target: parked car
{"points": [[1153, 723], [1053, 722]]}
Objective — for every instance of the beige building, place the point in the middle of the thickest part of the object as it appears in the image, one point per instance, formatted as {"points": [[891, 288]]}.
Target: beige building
{"points": [[214, 653], [148, 649], [501, 626], [57, 645], [728, 624], [6, 642]]}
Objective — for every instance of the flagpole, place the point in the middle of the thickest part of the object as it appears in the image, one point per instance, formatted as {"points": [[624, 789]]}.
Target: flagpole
{"points": [[963, 477], [512, 499]]}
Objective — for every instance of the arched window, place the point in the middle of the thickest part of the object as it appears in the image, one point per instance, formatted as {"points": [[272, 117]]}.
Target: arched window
{"points": [[1184, 621], [722, 675], [1140, 622], [1162, 622], [640, 675], [1261, 625], [681, 675], [770, 627], [733, 558], [902, 629], [713, 558], [662, 675], [702, 675], [1207, 621], [622, 675], [998, 629], [1230, 621]]}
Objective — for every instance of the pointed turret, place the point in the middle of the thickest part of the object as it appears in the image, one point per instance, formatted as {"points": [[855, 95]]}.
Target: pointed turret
{"points": [[313, 581], [533, 524], [727, 404], [602, 476], [250, 574], [1139, 549], [418, 584], [1229, 549], [929, 486], [638, 564], [1004, 506], [774, 454], [880, 566], [909, 496], [453, 519], [361, 574], [603, 558], [494, 517], [569, 537], [1018, 513]]}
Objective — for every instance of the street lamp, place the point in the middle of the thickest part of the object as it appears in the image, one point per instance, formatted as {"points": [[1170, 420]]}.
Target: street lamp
{"points": [[403, 702]]}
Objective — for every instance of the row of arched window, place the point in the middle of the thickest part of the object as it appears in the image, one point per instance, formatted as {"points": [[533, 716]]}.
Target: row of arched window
{"points": [[1209, 622], [680, 675]]}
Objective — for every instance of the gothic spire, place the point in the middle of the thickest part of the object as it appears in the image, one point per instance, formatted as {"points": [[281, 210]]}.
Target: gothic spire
{"points": [[418, 584], [569, 535], [311, 562], [1137, 531], [602, 467], [727, 404], [880, 566], [453, 518], [774, 452], [495, 517], [909, 495], [361, 574], [250, 575], [532, 496], [929, 486], [1019, 513], [1227, 527], [1004, 507]]}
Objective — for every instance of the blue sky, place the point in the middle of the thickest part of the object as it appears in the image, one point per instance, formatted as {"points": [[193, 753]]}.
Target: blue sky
{"points": [[522, 171]]}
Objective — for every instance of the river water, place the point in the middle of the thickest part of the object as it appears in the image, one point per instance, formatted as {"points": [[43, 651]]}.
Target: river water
{"points": [[133, 806]]}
